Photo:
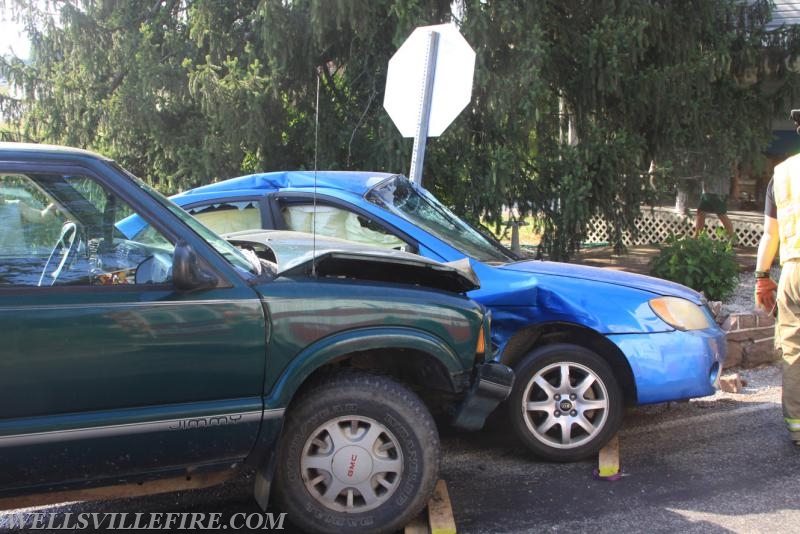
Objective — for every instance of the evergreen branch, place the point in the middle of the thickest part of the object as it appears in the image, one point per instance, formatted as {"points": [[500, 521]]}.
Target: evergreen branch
{"points": [[360, 121]]}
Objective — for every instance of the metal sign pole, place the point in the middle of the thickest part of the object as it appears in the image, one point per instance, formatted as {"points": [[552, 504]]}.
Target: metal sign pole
{"points": [[428, 83], [421, 137]]}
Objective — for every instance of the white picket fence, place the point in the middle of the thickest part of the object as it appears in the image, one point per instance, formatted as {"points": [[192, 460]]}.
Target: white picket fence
{"points": [[656, 224]]}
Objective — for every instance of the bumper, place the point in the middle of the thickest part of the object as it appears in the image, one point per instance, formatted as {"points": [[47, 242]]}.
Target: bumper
{"points": [[492, 386], [674, 365]]}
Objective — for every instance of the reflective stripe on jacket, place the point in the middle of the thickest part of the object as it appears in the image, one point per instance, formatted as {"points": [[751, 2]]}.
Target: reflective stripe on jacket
{"points": [[786, 187]]}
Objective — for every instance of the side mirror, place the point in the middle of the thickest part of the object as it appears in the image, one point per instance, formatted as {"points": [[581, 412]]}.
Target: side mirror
{"points": [[187, 274]]}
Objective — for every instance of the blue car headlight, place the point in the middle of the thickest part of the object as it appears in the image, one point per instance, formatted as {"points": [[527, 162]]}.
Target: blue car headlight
{"points": [[680, 313]]}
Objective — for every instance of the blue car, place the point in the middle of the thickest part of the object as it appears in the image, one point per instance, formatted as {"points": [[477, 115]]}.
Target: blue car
{"points": [[584, 342]]}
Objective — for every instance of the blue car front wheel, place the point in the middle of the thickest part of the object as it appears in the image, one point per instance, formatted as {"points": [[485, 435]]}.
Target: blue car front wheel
{"points": [[566, 404]]}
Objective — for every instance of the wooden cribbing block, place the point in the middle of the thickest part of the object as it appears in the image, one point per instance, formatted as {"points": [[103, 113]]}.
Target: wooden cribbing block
{"points": [[439, 518], [608, 460], [440, 511], [418, 525]]}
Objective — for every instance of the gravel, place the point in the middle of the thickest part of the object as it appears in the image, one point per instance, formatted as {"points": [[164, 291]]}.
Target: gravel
{"points": [[742, 299], [759, 380], [754, 380]]}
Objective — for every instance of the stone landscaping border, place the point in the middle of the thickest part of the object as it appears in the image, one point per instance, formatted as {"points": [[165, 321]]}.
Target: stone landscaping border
{"points": [[750, 338]]}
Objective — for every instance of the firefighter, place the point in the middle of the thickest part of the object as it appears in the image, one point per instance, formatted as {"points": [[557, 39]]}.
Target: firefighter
{"points": [[782, 235]]}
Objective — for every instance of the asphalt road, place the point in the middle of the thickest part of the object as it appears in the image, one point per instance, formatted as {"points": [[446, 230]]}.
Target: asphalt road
{"points": [[714, 465]]}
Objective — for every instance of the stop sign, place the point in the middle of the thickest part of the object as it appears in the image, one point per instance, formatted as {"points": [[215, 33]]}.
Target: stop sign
{"points": [[452, 83]]}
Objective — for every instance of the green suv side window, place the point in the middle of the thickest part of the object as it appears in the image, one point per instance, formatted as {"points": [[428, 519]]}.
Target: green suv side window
{"points": [[60, 230], [27, 220]]}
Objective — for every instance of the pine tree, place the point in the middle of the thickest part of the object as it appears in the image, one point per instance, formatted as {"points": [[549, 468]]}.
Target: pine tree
{"points": [[185, 92]]}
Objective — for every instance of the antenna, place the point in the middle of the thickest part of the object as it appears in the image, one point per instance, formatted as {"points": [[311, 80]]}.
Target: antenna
{"points": [[314, 209]]}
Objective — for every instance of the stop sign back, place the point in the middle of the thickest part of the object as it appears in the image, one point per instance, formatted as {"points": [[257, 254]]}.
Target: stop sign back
{"points": [[452, 83]]}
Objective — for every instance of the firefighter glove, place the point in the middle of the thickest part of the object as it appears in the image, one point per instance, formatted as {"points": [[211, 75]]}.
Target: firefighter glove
{"points": [[765, 295]]}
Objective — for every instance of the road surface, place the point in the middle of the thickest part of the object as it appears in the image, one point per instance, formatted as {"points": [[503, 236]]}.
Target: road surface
{"points": [[720, 464]]}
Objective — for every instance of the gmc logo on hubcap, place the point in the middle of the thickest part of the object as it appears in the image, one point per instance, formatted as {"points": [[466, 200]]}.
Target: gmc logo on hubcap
{"points": [[352, 468]]}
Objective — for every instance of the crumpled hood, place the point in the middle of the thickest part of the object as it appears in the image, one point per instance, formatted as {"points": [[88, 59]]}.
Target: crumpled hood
{"points": [[296, 252], [641, 282], [384, 266]]}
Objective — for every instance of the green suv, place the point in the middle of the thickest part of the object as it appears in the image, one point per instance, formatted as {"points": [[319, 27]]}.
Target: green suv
{"points": [[173, 359]]}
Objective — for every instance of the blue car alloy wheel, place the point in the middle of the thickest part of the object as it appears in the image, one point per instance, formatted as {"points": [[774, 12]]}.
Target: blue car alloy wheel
{"points": [[566, 404]]}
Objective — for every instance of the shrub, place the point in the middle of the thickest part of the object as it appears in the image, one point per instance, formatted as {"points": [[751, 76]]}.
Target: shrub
{"points": [[704, 264]]}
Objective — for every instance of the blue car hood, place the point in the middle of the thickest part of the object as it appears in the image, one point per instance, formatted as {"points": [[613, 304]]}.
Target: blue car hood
{"points": [[641, 282]]}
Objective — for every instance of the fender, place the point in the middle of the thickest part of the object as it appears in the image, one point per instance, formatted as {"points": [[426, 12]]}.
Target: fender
{"points": [[328, 349]]}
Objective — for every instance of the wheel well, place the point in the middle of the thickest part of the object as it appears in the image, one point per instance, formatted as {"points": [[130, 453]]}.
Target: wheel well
{"points": [[537, 336], [417, 370]]}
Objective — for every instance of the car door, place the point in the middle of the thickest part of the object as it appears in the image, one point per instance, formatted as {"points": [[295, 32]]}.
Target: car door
{"points": [[107, 369]]}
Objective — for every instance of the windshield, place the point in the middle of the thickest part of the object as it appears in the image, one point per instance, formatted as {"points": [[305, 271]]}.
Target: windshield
{"points": [[419, 207], [228, 251]]}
